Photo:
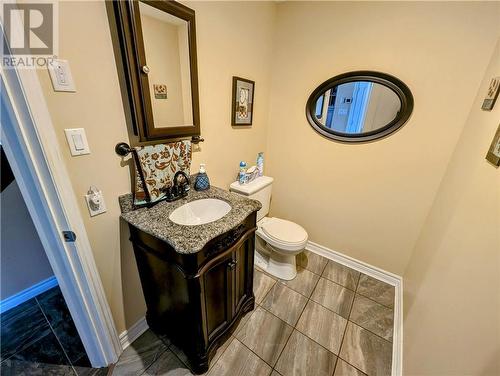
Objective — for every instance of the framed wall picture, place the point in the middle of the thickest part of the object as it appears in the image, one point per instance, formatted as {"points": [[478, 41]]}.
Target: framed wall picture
{"points": [[493, 154], [160, 91], [242, 108], [492, 94]]}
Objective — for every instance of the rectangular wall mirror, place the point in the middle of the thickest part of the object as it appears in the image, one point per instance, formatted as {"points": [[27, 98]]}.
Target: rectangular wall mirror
{"points": [[156, 44]]}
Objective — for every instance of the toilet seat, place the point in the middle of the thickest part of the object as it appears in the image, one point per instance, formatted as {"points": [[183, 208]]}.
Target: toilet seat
{"points": [[282, 234]]}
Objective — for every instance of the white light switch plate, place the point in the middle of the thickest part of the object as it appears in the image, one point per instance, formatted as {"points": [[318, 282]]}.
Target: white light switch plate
{"points": [[95, 203], [60, 74], [77, 141]]}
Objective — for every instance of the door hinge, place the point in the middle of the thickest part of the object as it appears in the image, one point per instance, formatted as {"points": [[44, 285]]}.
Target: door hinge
{"points": [[69, 236]]}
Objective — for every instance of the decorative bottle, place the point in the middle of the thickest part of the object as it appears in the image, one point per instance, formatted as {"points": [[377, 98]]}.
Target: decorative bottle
{"points": [[260, 163], [202, 182], [242, 177]]}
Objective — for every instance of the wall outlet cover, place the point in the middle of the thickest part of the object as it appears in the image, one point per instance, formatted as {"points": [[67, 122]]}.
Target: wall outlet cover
{"points": [[95, 203]]}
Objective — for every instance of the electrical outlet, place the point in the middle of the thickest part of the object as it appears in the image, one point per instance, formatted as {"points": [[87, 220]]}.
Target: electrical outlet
{"points": [[95, 202]]}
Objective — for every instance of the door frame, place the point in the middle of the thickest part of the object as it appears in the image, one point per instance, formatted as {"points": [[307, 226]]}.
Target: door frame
{"points": [[33, 151]]}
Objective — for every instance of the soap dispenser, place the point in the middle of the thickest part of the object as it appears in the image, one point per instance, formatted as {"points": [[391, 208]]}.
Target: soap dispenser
{"points": [[202, 182]]}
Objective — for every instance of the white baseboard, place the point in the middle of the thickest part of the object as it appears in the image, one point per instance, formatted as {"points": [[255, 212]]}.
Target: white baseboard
{"points": [[27, 294], [384, 276], [134, 332]]}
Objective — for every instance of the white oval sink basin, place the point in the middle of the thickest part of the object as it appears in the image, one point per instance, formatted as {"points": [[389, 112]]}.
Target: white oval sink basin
{"points": [[200, 212]]}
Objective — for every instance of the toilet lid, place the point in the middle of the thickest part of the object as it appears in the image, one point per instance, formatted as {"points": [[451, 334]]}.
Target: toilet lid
{"points": [[284, 231]]}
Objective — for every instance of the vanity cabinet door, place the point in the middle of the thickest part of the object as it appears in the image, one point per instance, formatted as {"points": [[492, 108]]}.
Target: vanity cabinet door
{"points": [[242, 275], [217, 286]]}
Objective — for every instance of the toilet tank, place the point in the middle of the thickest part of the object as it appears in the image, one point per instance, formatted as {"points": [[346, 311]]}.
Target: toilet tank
{"points": [[258, 189]]}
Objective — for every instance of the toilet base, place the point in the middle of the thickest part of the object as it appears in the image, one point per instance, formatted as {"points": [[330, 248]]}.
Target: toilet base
{"points": [[279, 265], [282, 266]]}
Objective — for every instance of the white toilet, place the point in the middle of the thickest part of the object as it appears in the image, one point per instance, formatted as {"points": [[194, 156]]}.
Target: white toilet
{"points": [[278, 241]]}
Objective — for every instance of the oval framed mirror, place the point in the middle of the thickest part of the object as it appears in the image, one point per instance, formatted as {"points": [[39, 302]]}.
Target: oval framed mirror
{"points": [[359, 106]]}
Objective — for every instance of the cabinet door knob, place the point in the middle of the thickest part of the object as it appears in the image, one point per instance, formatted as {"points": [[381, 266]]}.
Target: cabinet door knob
{"points": [[232, 264], [146, 69]]}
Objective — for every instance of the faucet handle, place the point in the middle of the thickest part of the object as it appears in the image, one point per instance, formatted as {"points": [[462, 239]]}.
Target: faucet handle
{"points": [[168, 192], [175, 190]]}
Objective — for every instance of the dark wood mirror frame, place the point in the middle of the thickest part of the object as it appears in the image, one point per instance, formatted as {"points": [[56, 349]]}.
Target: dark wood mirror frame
{"points": [[126, 30], [393, 83]]}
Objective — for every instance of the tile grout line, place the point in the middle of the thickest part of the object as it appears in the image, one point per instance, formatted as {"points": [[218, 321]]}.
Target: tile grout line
{"points": [[368, 330], [352, 305], [346, 325], [159, 356], [272, 367], [355, 291], [357, 285], [330, 280], [279, 318], [25, 346], [231, 339], [55, 335], [331, 310], [182, 362], [295, 326], [349, 319], [356, 368], [313, 340], [373, 300], [267, 293], [257, 355]]}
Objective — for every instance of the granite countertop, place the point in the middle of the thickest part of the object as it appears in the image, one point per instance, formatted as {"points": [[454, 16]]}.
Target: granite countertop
{"points": [[187, 239]]}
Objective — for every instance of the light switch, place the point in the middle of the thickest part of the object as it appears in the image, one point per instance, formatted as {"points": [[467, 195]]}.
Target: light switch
{"points": [[77, 141], [60, 74]]}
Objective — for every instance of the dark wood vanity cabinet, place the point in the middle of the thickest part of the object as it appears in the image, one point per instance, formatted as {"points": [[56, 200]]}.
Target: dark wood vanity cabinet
{"points": [[196, 299]]}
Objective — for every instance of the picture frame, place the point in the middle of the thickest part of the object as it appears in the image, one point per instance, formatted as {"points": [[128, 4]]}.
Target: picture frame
{"points": [[493, 155], [160, 91], [492, 94], [242, 102]]}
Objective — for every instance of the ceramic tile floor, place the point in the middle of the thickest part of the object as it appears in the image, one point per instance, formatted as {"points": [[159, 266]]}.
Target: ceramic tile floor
{"points": [[329, 321], [39, 337]]}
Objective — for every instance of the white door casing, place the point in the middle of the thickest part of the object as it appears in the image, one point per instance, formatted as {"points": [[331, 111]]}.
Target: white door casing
{"points": [[28, 135]]}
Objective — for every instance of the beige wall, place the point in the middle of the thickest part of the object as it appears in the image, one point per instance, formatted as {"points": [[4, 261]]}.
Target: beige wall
{"points": [[97, 107], [370, 201], [452, 283], [234, 39], [20, 246]]}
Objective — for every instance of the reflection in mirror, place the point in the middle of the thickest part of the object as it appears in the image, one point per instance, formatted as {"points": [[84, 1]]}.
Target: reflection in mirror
{"points": [[166, 46], [357, 107]]}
